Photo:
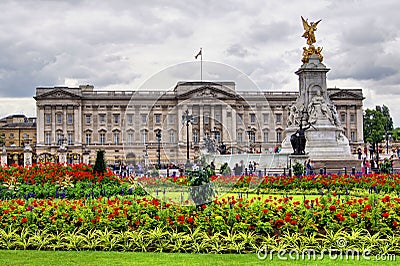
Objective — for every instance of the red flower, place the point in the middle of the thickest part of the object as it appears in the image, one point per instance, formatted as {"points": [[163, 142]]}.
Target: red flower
{"points": [[332, 208], [340, 217], [367, 208], [385, 215], [265, 211], [24, 220], [203, 206], [190, 220], [386, 199], [6, 211], [353, 215], [157, 217], [181, 218], [394, 223], [237, 216], [288, 219], [293, 222]]}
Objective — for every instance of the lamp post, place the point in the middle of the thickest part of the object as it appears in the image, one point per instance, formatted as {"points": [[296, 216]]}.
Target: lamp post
{"points": [[186, 118], [387, 135], [250, 132], [158, 136]]}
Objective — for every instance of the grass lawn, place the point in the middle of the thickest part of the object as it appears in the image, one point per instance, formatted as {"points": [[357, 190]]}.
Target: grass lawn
{"points": [[176, 197], [87, 258]]}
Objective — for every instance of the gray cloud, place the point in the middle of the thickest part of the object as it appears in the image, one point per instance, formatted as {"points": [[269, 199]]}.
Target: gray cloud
{"points": [[117, 44]]}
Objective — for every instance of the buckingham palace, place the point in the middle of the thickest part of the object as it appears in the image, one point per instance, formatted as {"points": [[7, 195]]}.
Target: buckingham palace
{"points": [[130, 125]]}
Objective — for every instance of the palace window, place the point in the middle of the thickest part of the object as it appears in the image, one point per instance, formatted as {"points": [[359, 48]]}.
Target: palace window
{"points": [[116, 119], [195, 137], [70, 138], [172, 137], [278, 136], [48, 138], [265, 119], [239, 119], [352, 118], [47, 118], [352, 136], [217, 136], [144, 137], [265, 136], [116, 138], [144, 119], [206, 119], [218, 118], [88, 138], [130, 118], [171, 119], [252, 118], [102, 118], [130, 138], [158, 118], [70, 119], [102, 138], [239, 137], [278, 118], [343, 118], [59, 119], [88, 119]]}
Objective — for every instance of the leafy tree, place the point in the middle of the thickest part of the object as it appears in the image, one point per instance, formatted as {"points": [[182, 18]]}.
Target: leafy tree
{"points": [[396, 134], [100, 166], [376, 123], [298, 169], [201, 189]]}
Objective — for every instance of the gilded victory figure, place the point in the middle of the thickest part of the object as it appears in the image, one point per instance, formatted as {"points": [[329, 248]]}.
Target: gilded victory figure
{"points": [[309, 34]]}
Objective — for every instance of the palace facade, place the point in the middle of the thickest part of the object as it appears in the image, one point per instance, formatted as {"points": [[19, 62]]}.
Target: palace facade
{"points": [[125, 123]]}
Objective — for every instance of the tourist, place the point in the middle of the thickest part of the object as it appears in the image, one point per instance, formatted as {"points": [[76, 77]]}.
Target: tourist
{"points": [[367, 167], [309, 168], [237, 170], [359, 153], [364, 166]]}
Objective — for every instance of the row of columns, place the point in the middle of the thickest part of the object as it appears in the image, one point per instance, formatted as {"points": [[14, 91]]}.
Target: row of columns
{"points": [[62, 156]]}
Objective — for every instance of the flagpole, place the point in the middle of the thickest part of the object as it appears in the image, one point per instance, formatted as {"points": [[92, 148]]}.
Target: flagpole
{"points": [[201, 64]]}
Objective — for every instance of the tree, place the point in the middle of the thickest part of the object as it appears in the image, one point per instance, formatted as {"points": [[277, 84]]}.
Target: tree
{"points": [[396, 134], [377, 122], [100, 166]]}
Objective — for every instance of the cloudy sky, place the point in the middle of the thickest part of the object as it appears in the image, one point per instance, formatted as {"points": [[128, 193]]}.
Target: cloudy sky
{"points": [[120, 44]]}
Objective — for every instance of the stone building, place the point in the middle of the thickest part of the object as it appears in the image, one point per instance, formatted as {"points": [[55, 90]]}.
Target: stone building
{"points": [[16, 131], [125, 123]]}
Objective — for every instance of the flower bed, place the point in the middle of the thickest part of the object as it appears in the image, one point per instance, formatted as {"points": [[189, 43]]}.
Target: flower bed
{"points": [[67, 207], [273, 217]]}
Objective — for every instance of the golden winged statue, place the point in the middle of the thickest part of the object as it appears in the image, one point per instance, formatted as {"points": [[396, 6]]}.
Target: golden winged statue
{"points": [[309, 34], [309, 30]]}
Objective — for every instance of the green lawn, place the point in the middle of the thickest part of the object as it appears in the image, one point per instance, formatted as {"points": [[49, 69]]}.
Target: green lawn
{"points": [[87, 258]]}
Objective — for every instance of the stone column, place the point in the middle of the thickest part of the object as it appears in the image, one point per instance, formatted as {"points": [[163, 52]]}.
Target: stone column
{"points": [[85, 157], [4, 157], [40, 125], [53, 125], [201, 121], [62, 154], [27, 155]]}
